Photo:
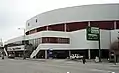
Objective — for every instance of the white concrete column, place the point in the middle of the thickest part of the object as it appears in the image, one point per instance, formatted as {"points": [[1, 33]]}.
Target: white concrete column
{"points": [[115, 25], [47, 28], [46, 54], [69, 53], [65, 27], [89, 23], [41, 40], [89, 54]]}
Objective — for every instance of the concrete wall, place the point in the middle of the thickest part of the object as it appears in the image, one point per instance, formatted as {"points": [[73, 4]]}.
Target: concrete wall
{"points": [[96, 12], [105, 39], [79, 41], [54, 46], [39, 35], [48, 34]]}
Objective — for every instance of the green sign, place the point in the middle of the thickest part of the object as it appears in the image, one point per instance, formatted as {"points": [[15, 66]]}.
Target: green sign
{"points": [[93, 33]]}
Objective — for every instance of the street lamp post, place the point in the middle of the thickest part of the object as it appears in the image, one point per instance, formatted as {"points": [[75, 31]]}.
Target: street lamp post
{"points": [[23, 42], [99, 47], [115, 57]]}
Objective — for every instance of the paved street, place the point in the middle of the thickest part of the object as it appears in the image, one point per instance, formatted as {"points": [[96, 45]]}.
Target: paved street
{"points": [[54, 66]]}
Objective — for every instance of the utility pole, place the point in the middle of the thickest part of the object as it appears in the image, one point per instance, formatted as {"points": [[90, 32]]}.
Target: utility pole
{"points": [[24, 46], [23, 42]]}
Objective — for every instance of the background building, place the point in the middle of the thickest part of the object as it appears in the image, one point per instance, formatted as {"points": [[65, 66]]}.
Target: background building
{"points": [[64, 31], [1, 47]]}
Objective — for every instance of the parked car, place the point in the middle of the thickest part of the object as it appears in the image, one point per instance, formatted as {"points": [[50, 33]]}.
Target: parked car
{"points": [[76, 56], [11, 56], [72, 56]]}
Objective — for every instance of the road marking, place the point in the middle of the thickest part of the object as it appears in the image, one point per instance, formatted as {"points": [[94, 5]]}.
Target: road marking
{"points": [[68, 72]]}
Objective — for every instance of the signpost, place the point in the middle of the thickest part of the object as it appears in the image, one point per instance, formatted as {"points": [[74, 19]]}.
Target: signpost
{"points": [[93, 34]]}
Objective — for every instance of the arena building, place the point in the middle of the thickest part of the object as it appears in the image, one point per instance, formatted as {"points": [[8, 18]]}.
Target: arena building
{"points": [[64, 31]]}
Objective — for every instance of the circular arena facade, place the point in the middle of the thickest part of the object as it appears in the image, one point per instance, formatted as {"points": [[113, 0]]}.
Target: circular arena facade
{"points": [[64, 31]]}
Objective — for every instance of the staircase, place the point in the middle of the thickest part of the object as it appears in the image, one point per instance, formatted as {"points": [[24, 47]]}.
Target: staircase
{"points": [[35, 52]]}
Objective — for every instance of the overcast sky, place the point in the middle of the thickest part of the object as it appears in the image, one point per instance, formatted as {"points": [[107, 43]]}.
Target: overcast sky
{"points": [[15, 13]]}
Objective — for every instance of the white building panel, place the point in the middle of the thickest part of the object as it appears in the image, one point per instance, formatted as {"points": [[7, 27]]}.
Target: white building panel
{"points": [[96, 12], [49, 34], [105, 39], [79, 40], [54, 46], [20, 38]]}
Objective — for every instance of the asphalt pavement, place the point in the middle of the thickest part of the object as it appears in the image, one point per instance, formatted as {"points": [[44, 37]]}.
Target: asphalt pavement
{"points": [[54, 66]]}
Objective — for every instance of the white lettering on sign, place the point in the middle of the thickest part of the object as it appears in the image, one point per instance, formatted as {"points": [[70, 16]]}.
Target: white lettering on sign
{"points": [[93, 35], [95, 30]]}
